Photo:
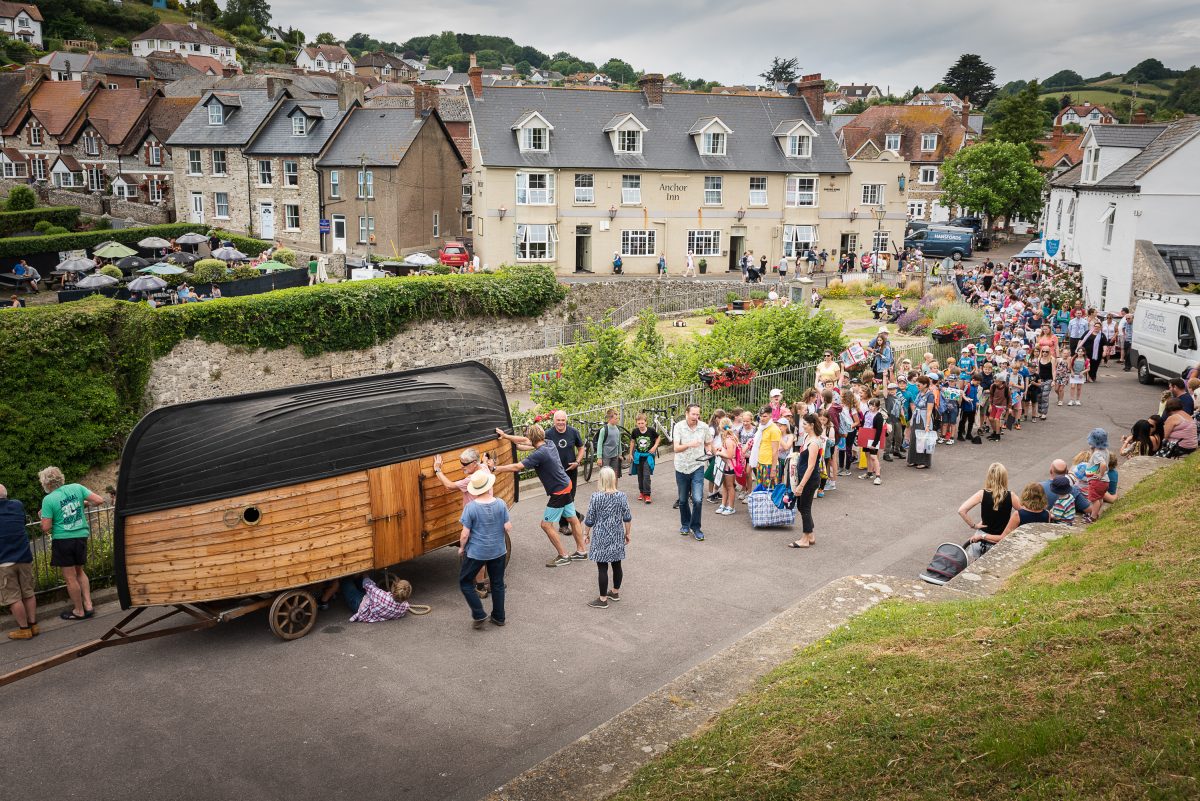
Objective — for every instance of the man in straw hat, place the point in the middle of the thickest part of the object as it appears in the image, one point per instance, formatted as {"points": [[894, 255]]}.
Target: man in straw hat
{"points": [[485, 521]]}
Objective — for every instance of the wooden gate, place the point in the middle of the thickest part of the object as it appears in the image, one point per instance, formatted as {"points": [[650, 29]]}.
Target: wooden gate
{"points": [[395, 512]]}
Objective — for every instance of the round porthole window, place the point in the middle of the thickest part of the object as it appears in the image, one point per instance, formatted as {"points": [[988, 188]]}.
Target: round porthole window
{"points": [[251, 516]]}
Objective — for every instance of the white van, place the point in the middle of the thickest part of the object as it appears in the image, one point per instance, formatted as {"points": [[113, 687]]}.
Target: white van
{"points": [[1165, 340]]}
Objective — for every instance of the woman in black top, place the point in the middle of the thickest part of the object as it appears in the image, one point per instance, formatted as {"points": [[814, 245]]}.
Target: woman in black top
{"points": [[998, 509], [805, 474], [1046, 373]]}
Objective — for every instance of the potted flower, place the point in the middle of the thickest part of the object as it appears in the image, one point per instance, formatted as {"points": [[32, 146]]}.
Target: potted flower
{"points": [[730, 299], [758, 298], [949, 333], [731, 374], [703, 264]]}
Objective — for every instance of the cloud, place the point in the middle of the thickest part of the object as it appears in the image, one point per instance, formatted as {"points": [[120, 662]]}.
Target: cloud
{"points": [[897, 43]]}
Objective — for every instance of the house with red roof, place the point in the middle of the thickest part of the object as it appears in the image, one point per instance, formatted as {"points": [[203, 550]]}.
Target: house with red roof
{"points": [[1085, 116]]}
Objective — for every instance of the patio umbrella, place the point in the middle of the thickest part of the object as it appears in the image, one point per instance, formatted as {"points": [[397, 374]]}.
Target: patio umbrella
{"points": [[191, 239], [186, 259], [268, 266], [162, 269], [76, 265], [131, 263], [146, 283], [95, 281], [113, 250], [228, 254], [419, 260], [154, 243]]}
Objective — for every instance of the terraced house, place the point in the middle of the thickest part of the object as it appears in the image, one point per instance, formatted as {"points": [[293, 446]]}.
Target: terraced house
{"points": [[42, 121], [571, 177]]}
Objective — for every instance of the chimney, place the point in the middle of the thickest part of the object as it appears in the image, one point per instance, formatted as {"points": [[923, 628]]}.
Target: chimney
{"points": [[349, 92], [475, 73], [89, 80], [812, 89], [966, 113], [425, 100], [192, 25], [149, 88], [651, 85], [35, 72], [1140, 117], [276, 84], [1056, 133]]}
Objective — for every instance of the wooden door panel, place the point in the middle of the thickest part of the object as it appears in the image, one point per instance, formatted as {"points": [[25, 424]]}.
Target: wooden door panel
{"points": [[395, 512]]}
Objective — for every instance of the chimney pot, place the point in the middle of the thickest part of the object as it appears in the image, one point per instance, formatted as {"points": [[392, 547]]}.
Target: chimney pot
{"points": [[651, 85], [1140, 117]]}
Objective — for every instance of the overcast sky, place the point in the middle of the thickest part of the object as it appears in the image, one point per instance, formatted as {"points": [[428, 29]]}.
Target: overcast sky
{"points": [[886, 42]]}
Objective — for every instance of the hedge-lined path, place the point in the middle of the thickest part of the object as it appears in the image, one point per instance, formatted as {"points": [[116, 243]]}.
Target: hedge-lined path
{"points": [[427, 708]]}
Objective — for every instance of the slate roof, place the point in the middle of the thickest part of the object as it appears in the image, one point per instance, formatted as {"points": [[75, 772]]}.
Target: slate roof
{"points": [[276, 136], [381, 59], [165, 68], [578, 140], [10, 10], [331, 53], [302, 86], [390, 90], [857, 89], [239, 124], [1069, 178], [383, 136], [1125, 135], [119, 64], [12, 93], [1175, 136], [910, 122], [57, 61], [179, 32]]}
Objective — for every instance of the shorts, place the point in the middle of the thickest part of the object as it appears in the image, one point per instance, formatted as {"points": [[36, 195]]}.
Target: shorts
{"points": [[765, 473], [1078, 379], [16, 583], [997, 413], [69, 552], [1096, 488], [555, 513], [869, 450], [949, 417], [612, 461]]}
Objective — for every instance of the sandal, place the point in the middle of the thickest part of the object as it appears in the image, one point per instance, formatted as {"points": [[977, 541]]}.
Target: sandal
{"points": [[89, 613], [70, 615], [798, 544]]}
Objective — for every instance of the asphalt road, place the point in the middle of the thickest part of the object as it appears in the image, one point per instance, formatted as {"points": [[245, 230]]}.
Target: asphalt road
{"points": [[427, 708]]}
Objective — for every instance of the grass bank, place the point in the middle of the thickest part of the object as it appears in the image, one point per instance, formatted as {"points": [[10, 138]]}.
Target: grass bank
{"points": [[1079, 680]]}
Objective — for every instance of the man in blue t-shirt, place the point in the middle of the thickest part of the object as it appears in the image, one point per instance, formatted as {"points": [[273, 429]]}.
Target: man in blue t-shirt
{"points": [[1058, 489], [16, 568], [485, 522], [544, 461]]}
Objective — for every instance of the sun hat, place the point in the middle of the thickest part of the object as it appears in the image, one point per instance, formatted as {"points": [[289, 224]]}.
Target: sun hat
{"points": [[1098, 438], [1061, 485], [775, 392], [893, 386], [481, 482]]}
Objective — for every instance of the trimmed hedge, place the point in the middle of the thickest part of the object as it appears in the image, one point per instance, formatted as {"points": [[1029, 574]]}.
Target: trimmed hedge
{"points": [[75, 373], [21, 247], [12, 222]]}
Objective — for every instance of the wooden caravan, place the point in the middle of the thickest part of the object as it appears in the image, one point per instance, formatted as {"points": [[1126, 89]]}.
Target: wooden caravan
{"points": [[261, 494]]}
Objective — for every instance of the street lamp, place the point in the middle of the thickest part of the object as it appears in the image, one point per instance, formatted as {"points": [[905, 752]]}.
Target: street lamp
{"points": [[878, 212]]}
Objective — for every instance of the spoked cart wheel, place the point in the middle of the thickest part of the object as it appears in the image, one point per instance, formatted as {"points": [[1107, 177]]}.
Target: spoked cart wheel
{"points": [[293, 614]]}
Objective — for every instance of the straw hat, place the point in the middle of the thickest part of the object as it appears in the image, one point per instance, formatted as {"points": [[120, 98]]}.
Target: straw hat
{"points": [[481, 482]]}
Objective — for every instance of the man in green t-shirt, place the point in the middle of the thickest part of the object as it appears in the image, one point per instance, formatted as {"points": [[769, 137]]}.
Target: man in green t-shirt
{"points": [[64, 518], [313, 264]]}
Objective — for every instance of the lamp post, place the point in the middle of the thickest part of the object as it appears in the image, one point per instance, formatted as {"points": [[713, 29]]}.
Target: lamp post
{"points": [[878, 212]]}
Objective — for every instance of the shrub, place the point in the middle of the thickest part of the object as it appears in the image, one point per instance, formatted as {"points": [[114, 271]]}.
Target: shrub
{"points": [[21, 198], [55, 230], [102, 224], [120, 43], [12, 222], [285, 256], [25, 246], [112, 270], [208, 271], [242, 273], [907, 321], [248, 245], [952, 313], [41, 225], [441, 269]]}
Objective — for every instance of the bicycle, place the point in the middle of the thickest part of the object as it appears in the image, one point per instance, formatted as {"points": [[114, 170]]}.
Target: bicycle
{"points": [[589, 446], [663, 421]]}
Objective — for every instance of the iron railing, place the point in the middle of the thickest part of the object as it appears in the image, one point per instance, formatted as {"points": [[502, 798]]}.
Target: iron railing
{"points": [[48, 579]]}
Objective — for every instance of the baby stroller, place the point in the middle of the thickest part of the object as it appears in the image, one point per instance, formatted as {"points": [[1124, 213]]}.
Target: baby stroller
{"points": [[948, 561]]}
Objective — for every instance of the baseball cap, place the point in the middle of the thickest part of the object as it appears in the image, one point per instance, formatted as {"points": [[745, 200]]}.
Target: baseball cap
{"points": [[893, 386], [775, 392]]}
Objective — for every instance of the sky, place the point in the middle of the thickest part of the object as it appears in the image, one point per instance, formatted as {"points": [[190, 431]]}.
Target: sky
{"points": [[896, 43]]}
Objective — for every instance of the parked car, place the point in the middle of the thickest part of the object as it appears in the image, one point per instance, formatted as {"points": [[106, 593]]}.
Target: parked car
{"points": [[454, 254], [974, 223], [942, 240]]}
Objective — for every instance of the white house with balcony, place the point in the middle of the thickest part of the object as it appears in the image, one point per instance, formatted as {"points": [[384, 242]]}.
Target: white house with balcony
{"points": [[22, 21], [1136, 182], [189, 40], [325, 58]]}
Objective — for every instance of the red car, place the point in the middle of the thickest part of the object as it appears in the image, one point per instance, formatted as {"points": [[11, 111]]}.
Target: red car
{"points": [[454, 254]]}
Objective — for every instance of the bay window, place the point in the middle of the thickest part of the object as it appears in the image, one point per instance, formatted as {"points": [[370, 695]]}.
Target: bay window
{"points": [[536, 242]]}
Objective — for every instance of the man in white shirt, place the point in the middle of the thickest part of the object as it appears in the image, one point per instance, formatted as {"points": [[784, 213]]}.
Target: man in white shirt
{"points": [[692, 444]]}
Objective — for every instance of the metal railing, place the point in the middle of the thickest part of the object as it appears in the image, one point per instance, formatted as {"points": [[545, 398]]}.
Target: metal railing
{"points": [[792, 380], [48, 579]]}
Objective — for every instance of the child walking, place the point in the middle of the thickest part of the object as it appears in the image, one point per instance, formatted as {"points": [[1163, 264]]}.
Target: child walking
{"points": [[607, 526], [1079, 373]]}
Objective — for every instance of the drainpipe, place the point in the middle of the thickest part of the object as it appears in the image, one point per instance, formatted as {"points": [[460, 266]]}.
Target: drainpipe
{"points": [[249, 195]]}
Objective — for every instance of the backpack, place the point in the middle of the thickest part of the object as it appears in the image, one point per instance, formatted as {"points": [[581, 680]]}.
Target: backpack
{"points": [[1063, 509]]}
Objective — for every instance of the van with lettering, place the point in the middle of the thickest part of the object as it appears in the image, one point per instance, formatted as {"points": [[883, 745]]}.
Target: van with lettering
{"points": [[1165, 342], [939, 241]]}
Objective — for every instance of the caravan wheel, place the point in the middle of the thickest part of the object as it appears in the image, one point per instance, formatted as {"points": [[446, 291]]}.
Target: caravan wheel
{"points": [[293, 614]]}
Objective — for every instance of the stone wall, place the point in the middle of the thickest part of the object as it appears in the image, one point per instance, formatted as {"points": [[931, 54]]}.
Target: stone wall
{"points": [[140, 212], [514, 348], [95, 205], [88, 204]]}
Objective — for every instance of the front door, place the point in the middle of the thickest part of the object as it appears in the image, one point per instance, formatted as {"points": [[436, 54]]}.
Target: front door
{"points": [[583, 248], [197, 207], [266, 219], [396, 518], [737, 246], [339, 233]]}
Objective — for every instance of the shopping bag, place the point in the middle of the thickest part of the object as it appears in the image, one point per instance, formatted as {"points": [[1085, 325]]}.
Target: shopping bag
{"points": [[764, 512], [862, 460]]}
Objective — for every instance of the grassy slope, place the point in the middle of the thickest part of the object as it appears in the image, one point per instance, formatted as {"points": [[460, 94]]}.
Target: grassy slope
{"points": [[1080, 680]]}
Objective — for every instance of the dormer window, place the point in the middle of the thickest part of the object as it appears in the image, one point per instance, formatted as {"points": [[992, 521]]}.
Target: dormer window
{"points": [[713, 143], [892, 142], [299, 125], [1091, 165], [629, 141], [800, 146], [928, 142], [535, 139], [216, 114]]}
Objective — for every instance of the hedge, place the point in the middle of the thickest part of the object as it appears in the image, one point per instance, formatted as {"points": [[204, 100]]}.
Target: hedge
{"points": [[12, 222], [75, 373], [22, 247]]}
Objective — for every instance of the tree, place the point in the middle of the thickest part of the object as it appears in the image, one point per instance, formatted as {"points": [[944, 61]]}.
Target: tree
{"points": [[1185, 94], [996, 178], [277, 55], [1050, 106], [208, 10], [523, 68], [1062, 78], [782, 70], [1064, 101], [326, 39], [241, 12], [489, 59], [1021, 118], [971, 77], [1149, 70], [120, 43], [619, 71]]}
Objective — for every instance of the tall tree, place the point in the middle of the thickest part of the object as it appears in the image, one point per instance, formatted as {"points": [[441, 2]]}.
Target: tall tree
{"points": [[619, 71], [996, 178], [326, 39], [971, 77], [782, 70], [1062, 78], [208, 10], [1021, 119], [1185, 94], [1150, 69], [243, 12]]}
